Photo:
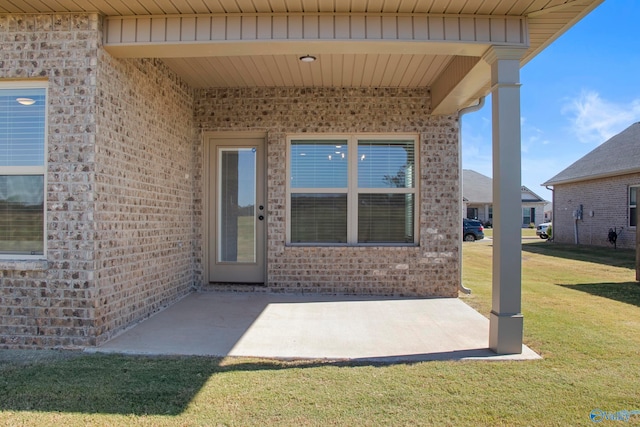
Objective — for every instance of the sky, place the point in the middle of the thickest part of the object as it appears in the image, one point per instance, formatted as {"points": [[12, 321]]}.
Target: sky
{"points": [[576, 94]]}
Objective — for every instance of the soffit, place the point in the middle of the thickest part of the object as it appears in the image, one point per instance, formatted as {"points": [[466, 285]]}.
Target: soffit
{"points": [[383, 66], [164, 7], [330, 70]]}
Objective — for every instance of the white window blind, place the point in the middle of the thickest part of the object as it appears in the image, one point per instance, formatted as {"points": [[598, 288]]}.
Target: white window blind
{"points": [[22, 168], [21, 214], [386, 217], [358, 190], [22, 127], [318, 218], [319, 182], [319, 164], [385, 164]]}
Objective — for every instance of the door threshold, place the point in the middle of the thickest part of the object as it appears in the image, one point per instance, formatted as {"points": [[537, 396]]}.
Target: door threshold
{"points": [[234, 287]]}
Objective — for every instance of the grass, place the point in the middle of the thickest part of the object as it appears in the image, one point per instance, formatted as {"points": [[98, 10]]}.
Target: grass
{"points": [[246, 239], [526, 233], [582, 313]]}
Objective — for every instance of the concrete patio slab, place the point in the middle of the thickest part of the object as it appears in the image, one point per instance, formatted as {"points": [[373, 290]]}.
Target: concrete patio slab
{"points": [[280, 326]]}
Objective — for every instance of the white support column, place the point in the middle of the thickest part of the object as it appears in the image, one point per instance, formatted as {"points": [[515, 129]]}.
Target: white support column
{"points": [[506, 321]]}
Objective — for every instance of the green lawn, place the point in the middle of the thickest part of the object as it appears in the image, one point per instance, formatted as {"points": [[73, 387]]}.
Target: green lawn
{"points": [[582, 313], [527, 233], [246, 239]]}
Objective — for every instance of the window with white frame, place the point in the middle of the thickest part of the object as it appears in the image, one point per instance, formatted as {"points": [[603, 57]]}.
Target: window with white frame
{"points": [[22, 169], [354, 189], [633, 205], [528, 216]]}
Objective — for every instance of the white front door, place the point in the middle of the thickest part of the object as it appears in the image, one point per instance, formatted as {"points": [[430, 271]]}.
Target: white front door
{"points": [[237, 211]]}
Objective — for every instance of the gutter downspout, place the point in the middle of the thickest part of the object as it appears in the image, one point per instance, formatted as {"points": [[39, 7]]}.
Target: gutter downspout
{"points": [[553, 208], [471, 109], [637, 244]]}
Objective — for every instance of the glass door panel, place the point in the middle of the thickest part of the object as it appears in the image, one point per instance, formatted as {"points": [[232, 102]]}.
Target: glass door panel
{"points": [[237, 205]]}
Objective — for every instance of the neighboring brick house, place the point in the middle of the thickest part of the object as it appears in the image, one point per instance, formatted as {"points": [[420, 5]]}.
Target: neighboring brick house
{"points": [[151, 150], [599, 193], [477, 197]]}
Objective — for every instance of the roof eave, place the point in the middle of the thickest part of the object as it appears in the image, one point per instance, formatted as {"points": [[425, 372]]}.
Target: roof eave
{"points": [[534, 52], [590, 177]]}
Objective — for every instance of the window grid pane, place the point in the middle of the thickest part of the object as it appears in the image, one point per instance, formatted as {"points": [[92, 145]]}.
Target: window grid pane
{"points": [[633, 206], [386, 164], [22, 127], [319, 164], [526, 216], [318, 218], [21, 214], [386, 218]]}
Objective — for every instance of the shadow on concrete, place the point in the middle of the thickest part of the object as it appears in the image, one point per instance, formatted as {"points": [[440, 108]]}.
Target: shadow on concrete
{"points": [[265, 325], [626, 292], [296, 327]]}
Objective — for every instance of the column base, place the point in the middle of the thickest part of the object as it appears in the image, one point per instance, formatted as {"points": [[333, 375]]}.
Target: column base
{"points": [[505, 333]]}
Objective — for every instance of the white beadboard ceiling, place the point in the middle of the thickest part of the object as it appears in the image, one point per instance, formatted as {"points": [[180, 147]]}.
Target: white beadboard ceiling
{"points": [[410, 65], [337, 70]]}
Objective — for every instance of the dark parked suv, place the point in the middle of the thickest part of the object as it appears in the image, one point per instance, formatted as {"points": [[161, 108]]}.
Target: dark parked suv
{"points": [[472, 230]]}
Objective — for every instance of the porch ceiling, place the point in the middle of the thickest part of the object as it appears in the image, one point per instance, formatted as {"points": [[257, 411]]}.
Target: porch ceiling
{"points": [[330, 70], [447, 62]]}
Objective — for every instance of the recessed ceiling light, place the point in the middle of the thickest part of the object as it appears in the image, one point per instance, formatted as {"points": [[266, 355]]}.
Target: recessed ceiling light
{"points": [[307, 58], [26, 101]]}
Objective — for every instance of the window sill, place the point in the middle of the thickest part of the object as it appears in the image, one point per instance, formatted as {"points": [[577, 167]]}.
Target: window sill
{"points": [[23, 265]]}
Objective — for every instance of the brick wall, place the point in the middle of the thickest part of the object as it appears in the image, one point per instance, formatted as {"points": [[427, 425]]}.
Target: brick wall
{"points": [[144, 191], [119, 187], [607, 198], [48, 304], [430, 269]]}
